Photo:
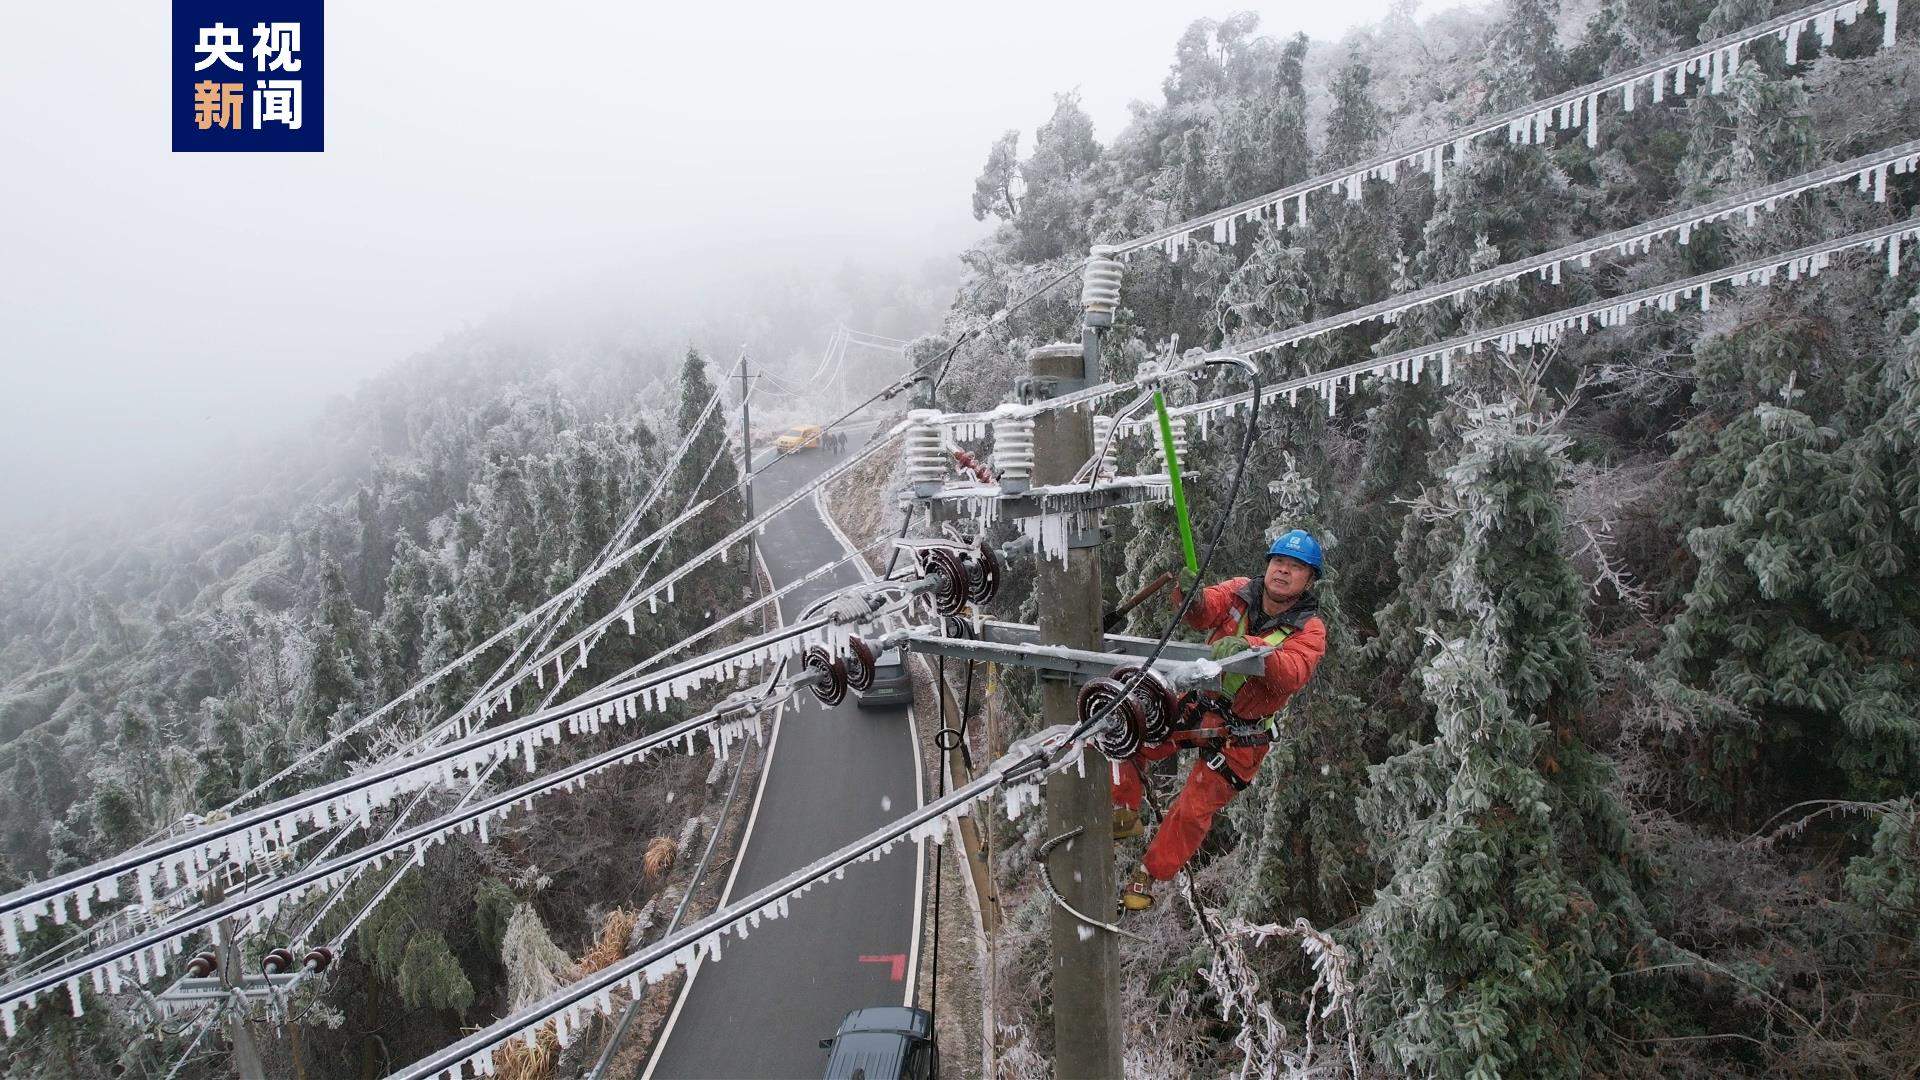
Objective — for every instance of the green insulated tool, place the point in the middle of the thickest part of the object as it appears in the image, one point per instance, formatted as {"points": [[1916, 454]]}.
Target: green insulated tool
{"points": [[1173, 474]]}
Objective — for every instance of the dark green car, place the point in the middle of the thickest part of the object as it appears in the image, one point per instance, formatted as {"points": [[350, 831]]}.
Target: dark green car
{"points": [[888, 1042]]}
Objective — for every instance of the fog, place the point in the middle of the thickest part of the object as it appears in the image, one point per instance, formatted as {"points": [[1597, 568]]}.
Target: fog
{"points": [[484, 159]]}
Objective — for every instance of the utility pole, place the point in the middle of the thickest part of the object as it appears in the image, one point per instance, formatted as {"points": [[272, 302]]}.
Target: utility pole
{"points": [[1087, 1035], [746, 455], [246, 1057]]}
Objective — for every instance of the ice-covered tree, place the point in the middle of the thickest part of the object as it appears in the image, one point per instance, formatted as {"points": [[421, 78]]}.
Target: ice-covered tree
{"points": [[1507, 906]]}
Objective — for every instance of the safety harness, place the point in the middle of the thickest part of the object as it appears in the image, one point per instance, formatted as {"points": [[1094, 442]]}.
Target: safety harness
{"points": [[1206, 719]]}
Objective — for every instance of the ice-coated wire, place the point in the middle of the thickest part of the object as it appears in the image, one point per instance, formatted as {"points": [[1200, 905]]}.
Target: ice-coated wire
{"points": [[693, 885], [647, 963], [1428, 156], [27, 990], [1903, 157], [1601, 314], [339, 938]]}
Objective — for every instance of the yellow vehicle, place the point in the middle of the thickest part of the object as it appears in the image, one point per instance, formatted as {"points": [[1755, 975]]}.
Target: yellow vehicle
{"points": [[798, 438]]}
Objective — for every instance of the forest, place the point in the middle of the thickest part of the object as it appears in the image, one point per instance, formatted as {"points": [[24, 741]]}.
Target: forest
{"points": [[1610, 768]]}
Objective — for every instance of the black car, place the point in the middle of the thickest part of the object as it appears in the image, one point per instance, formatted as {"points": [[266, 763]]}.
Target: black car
{"points": [[891, 683], [886, 1042]]}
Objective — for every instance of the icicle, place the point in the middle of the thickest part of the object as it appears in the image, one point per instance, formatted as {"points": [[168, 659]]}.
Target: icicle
{"points": [[1893, 252], [1890, 13], [1593, 128], [1659, 86], [1793, 43], [1626, 96]]}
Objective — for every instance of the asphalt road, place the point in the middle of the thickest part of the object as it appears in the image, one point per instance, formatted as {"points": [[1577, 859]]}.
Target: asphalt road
{"points": [[834, 775]]}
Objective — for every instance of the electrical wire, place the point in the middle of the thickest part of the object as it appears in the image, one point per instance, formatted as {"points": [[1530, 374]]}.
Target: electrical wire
{"points": [[1041, 758]]}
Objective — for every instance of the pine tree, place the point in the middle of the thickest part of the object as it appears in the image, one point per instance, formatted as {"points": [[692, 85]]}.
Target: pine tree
{"points": [[1804, 517], [335, 664], [1490, 948]]}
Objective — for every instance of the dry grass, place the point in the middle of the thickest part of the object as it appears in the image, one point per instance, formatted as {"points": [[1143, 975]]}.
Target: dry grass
{"points": [[612, 944], [519, 1061], [658, 860]]}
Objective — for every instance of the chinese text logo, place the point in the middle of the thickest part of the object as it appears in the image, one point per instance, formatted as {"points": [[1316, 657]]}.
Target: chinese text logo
{"points": [[247, 75]]}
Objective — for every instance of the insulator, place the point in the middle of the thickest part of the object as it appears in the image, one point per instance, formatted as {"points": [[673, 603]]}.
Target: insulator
{"points": [[1106, 447], [1178, 426], [318, 959], [983, 574], [951, 580], [1118, 736], [1157, 701], [277, 962], [1013, 452], [957, 627], [1100, 287], [860, 664], [926, 453], [831, 685], [203, 965]]}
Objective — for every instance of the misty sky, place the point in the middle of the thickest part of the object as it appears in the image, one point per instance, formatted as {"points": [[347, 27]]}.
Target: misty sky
{"points": [[483, 157]]}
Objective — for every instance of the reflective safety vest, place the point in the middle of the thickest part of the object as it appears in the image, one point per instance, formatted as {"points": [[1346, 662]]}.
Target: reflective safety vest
{"points": [[1232, 681]]}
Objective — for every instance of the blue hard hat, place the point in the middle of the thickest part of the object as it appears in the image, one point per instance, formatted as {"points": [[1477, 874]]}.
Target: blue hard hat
{"points": [[1298, 544]]}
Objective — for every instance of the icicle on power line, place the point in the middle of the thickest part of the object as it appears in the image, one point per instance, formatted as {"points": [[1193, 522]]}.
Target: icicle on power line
{"points": [[248, 838], [144, 957], [1868, 171], [569, 1007], [1529, 124], [1411, 365]]}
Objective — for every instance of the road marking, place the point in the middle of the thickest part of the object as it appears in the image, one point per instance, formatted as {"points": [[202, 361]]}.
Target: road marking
{"points": [[896, 960], [919, 775], [739, 855]]}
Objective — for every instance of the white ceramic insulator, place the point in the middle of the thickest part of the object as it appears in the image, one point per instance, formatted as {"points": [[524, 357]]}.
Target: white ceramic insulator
{"points": [[1100, 283], [1177, 425], [926, 451], [1107, 446], [1013, 448]]}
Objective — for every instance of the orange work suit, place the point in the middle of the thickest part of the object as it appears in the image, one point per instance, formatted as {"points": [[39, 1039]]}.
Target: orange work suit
{"points": [[1231, 607]]}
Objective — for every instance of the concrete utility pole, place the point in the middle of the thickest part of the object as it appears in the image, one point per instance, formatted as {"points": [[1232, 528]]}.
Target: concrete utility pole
{"points": [[1087, 1035], [246, 1057]]}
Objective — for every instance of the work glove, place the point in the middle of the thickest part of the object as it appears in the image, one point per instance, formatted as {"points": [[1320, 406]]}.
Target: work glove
{"points": [[1189, 582], [1229, 646]]}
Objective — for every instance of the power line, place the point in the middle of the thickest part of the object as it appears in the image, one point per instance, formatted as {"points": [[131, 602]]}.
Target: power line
{"points": [[572, 593], [677, 950], [1870, 171], [149, 949], [1410, 364], [1529, 123]]}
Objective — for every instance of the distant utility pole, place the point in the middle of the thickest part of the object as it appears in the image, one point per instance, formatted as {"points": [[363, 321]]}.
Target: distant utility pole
{"points": [[746, 454], [1087, 1036]]}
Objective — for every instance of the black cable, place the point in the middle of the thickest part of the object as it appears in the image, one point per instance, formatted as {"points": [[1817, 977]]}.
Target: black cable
{"points": [[1041, 758], [966, 711], [947, 361]]}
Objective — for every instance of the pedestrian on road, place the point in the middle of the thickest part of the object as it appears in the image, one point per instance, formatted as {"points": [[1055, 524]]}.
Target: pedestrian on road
{"points": [[1233, 728]]}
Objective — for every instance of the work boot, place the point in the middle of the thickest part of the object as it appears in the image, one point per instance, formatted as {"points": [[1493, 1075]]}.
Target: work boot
{"points": [[1126, 823], [1138, 895]]}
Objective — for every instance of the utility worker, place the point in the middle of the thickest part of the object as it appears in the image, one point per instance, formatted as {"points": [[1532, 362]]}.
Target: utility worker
{"points": [[1233, 730]]}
